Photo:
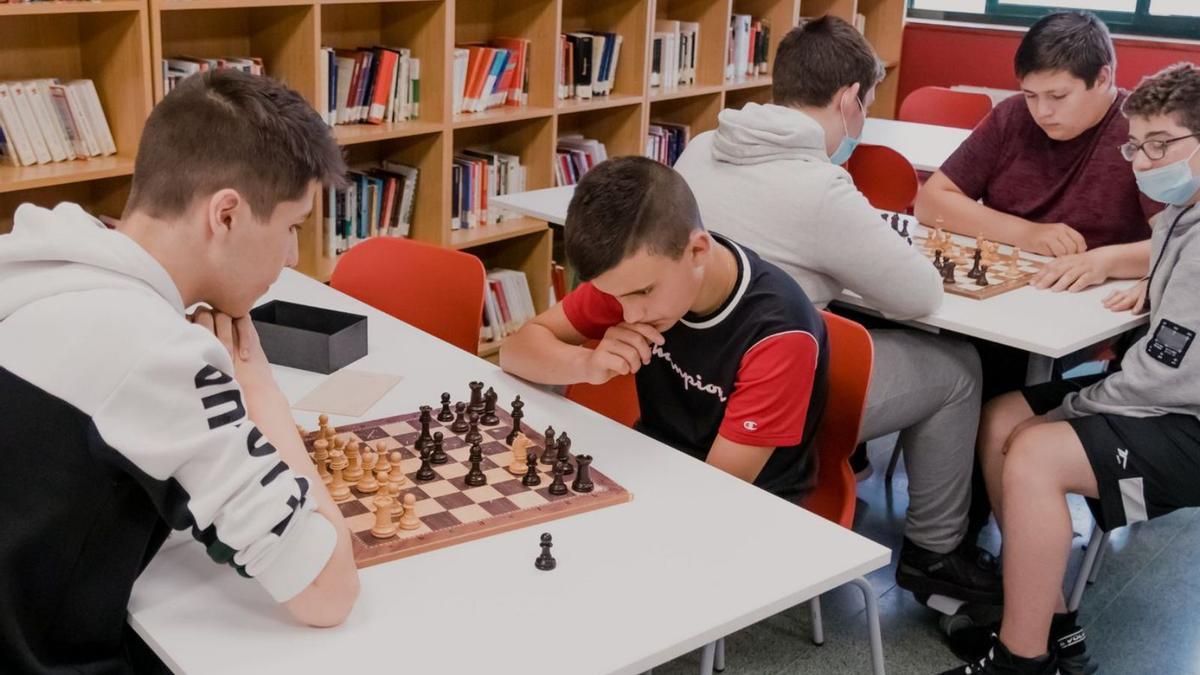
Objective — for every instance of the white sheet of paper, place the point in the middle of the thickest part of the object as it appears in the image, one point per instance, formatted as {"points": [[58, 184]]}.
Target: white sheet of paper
{"points": [[347, 392]]}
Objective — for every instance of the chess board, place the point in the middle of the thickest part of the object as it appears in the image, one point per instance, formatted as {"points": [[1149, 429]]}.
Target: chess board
{"points": [[450, 511], [1004, 274]]}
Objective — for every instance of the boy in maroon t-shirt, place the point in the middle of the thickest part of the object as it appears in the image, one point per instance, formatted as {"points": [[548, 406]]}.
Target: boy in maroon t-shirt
{"points": [[1048, 169]]}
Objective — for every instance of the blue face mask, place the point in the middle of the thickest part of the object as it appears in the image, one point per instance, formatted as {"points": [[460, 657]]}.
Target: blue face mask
{"points": [[849, 143], [1171, 184]]}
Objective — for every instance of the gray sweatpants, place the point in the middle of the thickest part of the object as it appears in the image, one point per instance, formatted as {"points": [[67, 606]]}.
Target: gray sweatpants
{"points": [[927, 387]]}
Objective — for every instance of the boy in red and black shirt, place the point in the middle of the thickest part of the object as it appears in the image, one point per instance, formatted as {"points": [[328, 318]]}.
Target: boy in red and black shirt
{"points": [[729, 354]]}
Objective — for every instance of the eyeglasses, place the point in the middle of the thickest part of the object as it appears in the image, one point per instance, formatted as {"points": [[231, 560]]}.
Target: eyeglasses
{"points": [[1155, 149]]}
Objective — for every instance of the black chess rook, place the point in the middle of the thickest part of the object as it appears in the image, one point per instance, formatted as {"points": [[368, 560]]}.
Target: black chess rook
{"points": [[583, 474], [476, 404]]}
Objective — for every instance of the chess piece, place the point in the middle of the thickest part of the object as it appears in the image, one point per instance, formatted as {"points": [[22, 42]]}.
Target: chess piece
{"points": [[321, 457], [354, 472], [977, 258], [460, 418], [904, 229], [397, 502], [476, 405], [894, 221], [473, 436], [545, 561], [550, 454], [383, 474], [323, 426], [982, 279], [937, 259], [396, 475], [948, 271], [520, 450], [564, 453], [384, 527], [338, 489], [410, 521], [426, 472], [557, 486], [583, 477], [439, 455], [445, 414], [531, 478], [426, 419], [367, 484], [489, 418], [518, 413], [475, 476]]}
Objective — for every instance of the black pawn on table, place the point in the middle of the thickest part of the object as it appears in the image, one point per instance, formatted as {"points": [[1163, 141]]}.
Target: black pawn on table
{"points": [[426, 419], [475, 477], [426, 471], [583, 476], [445, 414], [564, 453], [550, 454], [531, 477], [948, 271], [518, 413], [476, 404], [982, 279], [439, 455], [489, 418], [460, 418], [557, 486], [473, 435], [545, 561]]}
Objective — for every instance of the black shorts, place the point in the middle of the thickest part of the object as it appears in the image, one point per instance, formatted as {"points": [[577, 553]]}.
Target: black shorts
{"points": [[1145, 467]]}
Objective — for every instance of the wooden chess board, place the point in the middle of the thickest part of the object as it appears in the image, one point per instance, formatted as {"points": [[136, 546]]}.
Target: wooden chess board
{"points": [[1004, 274], [450, 511]]}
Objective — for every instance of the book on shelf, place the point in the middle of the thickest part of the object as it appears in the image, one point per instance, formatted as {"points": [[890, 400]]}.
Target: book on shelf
{"points": [[45, 120], [369, 85], [491, 75], [508, 304], [665, 141], [675, 49], [587, 64], [749, 44], [377, 202], [575, 156], [176, 69], [477, 175], [558, 283]]}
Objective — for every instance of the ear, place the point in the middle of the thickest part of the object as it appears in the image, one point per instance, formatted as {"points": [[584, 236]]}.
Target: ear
{"points": [[223, 208], [699, 246], [848, 96], [1104, 78]]}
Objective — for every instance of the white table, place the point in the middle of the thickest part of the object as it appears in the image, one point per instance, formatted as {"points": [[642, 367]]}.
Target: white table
{"points": [[925, 146], [695, 556]]}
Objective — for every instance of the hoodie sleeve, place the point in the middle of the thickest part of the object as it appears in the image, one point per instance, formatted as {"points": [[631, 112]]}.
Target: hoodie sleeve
{"points": [[862, 253], [177, 424]]}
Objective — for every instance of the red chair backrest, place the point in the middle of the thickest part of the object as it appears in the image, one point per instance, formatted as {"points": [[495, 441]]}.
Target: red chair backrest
{"points": [[851, 354], [887, 179], [945, 107], [438, 290], [616, 399]]}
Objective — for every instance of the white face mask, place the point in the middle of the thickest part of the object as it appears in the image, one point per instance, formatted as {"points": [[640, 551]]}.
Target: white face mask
{"points": [[1172, 184], [846, 148]]}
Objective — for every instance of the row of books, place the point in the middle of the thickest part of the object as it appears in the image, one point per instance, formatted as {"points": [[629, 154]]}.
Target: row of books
{"points": [[477, 175], [507, 305], [491, 75], [665, 142], [749, 42], [576, 156], [587, 64], [176, 69], [674, 51], [369, 85], [45, 120], [378, 202]]}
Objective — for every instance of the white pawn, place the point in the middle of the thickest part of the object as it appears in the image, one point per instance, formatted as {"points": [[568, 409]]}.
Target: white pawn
{"points": [[367, 484], [410, 521], [398, 476]]}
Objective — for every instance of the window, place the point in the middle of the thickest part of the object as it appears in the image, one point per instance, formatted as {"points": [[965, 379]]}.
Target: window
{"points": [[1163, 18]]}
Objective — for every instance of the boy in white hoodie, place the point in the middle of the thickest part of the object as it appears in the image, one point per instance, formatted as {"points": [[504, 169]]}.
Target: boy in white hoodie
{"points": [[769, 177], [123, 419]]}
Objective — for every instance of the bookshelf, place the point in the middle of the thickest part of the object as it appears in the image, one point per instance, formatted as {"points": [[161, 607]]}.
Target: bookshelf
{"points": [[120, 44]]}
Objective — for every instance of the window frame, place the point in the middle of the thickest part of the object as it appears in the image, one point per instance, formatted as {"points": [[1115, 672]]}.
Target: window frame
{"points": [[1138, 22]]}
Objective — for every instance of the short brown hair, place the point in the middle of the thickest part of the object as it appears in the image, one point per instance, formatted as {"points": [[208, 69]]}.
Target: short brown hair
{"points": [[623, 206], [820, 56], [1175, 90], [1077, 42], [227, 129]]}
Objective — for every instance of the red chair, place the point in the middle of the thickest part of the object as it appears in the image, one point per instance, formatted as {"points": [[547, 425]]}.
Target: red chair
{"points": [[945, 107], [436, 289], [887, 179], [616, 399]]}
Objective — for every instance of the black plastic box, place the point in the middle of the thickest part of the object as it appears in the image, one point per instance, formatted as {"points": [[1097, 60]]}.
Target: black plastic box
{"points": [[310, 338]]}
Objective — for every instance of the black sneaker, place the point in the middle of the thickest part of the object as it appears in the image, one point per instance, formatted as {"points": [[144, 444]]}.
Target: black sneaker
{"points": [[860, 463], [1000, 661], [956, 574], [1069, 646]]}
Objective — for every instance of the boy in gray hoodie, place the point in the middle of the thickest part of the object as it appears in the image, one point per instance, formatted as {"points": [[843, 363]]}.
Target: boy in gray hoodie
{"points": [[1129, 441]]}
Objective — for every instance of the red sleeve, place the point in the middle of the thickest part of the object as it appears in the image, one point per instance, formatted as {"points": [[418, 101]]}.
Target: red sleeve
{"points": [[972, 166], [774, 385], [592, 312]]}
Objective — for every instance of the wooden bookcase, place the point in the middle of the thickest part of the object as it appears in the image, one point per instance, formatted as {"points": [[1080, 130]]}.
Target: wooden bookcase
{"points": [[120, 44]]}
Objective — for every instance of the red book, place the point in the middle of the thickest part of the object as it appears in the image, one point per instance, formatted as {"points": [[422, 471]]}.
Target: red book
{"points": [[385, 78]]}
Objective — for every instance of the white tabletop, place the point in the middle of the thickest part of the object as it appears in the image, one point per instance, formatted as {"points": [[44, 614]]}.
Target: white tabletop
{"points": [[925, 146], [696, 555]]}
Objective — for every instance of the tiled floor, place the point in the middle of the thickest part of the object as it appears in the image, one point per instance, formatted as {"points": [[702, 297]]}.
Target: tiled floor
{"points": [[1141, 615]]}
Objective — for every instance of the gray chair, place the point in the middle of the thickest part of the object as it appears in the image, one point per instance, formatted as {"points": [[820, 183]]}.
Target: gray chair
{"points": [[1090, 569]]}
